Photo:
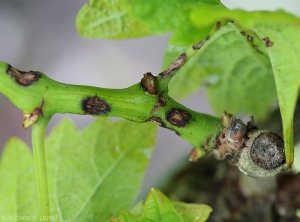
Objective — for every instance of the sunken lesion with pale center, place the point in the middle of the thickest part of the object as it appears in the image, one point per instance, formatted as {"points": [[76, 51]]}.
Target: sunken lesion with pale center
{"points": [[95, 106], [148, 83], [23, 78], [199, 45], [177, 64], [178, 117]]}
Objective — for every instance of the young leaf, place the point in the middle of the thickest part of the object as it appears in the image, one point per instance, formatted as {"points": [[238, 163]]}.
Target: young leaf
{"points": [[138, 208], [280, 31], [166, 16], [95, 173], [192, 212], [107, 19], [159, 208], [18, 196], [285, 56], [204, 16], [124, 216], [128, 217], [130, 19], [238, 76]]}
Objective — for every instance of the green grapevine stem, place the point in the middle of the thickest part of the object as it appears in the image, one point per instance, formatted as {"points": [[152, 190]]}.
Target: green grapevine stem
{"points": [[30, 91], [41, 97], [38, 146]]}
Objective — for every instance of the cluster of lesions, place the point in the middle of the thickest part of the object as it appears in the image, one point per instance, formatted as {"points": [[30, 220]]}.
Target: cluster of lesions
{"points": [[174, 116], [149, 83], [253, 40], [26, 79], [96, 105], [257, 153]]}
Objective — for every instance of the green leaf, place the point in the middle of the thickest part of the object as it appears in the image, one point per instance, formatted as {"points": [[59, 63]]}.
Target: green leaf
{"points": [[124, 216], [237, 76], [127, 216], [18, 196], [122, 19], [166, 16], [285, 60], [138, 208], [92, 174], [113, 219], [282, 29], [204, 16], [159, 209], [95, 173], [192, 212], [108, 19]]}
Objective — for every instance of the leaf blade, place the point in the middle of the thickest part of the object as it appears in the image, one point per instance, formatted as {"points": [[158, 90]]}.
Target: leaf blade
{"points": [[233, 72], [159, 208], [167, 16], [88, 175], [286, 70], [18, 196], [282, 28], [103, 19], [192, 212]]}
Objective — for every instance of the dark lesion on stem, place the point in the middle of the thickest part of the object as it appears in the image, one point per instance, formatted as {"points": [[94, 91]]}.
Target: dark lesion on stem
{"points": [[157, 120], [178, 117], [160, 122], [181, 59], [205, 146], [95, 106], [232, 138], [161, 102], [199, 45], [194, 155], [218, 25], [177, 64], [23, 78], [148, 83], [268, 42], [30, 118]]}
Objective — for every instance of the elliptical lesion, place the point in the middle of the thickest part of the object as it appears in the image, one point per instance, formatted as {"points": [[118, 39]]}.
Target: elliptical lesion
{"points": [[21, 77]]}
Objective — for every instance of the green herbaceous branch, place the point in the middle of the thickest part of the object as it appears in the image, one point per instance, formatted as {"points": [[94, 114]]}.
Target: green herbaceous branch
{"points": [[38, 95], [272, 34], [38, 146], [41, 97], [131, 103]]}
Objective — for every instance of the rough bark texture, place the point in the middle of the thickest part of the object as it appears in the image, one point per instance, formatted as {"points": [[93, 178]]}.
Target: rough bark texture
{"points": [[235, 197]]}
